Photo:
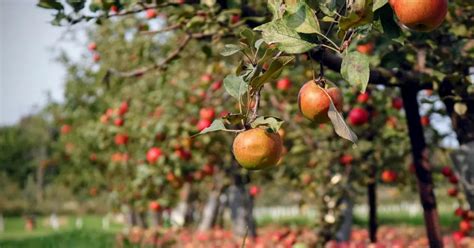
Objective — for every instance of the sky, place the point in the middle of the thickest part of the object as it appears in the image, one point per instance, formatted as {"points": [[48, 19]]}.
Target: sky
{"points": [[28, 46]]}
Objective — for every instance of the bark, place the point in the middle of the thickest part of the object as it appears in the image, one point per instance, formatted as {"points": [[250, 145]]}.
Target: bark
{"points": [[210, 212], [372, 202], [423, 170], [464, 166], [241, 206], [130, 217], [156, 219], [345, 229], [141, 219]]}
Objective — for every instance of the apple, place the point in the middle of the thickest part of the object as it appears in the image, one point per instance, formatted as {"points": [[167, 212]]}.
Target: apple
{"points": [[234, 18], [346, 159], [284, 84], [183, 154], [367, 48], [153, 155], [397, 103], [207, 114], [453, 192], [254, 190], [459, 212], [363, 97], [170, 177], [447, 171], [114, 9], [118, 122], [458, 236], [453, 179], [206, 78], [420, 15], [389, 176], [121, 139], [151, 13], [65, 129], [92, 46], [123, 108], [155, 206], [425, 121], [203, 124], [216, 85], [93, 157], [358, 116], [208, 169], [465, 226], [314, 101], [391, 122], [96, 57]]}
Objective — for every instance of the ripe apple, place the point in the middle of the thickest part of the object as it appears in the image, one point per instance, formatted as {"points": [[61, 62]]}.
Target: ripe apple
{"points": [[208, 169], [114, 9], [459, 212], [92, 46], [155, 206], [234, 18], [65, 129], [447, 171], [216, 85], [453, 192], [284, 84], [346, 159], [257, 148], [314, 103], [465, 226], [367, 48], [203, 124], [206, 78], [153, 155], [453, 179], [358, 116], [254, 190], [183, 154], [123, 108], [363, 97], [397, 103], [389, 176], [96, 57], [425, 121], [207, 113], [118, 122], [458, 236], [420, 15], [151, 13], [121, 139]]}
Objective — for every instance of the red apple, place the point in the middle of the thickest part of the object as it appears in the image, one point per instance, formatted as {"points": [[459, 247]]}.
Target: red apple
{"points": [[453, 192], [254, 190], [65, 129], [447, 171], [346, 159], [458, 236], [155, 206], [234, 18], [216, 85], [96, 57], [121, 139], [367, 48], [92, 46], [284, 84], [183, 154], [363, 97], [465, 226], [153, 155], [203, 124], [114, 9], [389, 176], [207, 114], [358, 116], [118, 122], [420, 15], [208, 169], [459, 212], [123, 108], [425, 121], [397, 103], [206, 78], [453, 179], [151, 13]]}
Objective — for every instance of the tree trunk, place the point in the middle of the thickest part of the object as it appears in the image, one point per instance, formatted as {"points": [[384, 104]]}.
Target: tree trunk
{"points": [[372, 201], [155, 218], [130, 217], [210, 211], [241, 205], [141, 219], [423, 170], [345, 229], [464, 166]]}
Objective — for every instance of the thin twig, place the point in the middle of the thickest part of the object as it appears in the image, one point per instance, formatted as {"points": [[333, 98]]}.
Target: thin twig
{"points": [[166, 29], [255, 106]]}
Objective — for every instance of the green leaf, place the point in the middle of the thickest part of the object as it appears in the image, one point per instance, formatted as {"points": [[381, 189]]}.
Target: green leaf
{"points": [[379, 4], [387, 25], [234, 119], [355, 69], [286, 39], [274, 7], [235, 86], [230, 49], [50, 4], [302, 19], [273, 71], [217, 125], [358, 16], [340, 126], [271, 122]]}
